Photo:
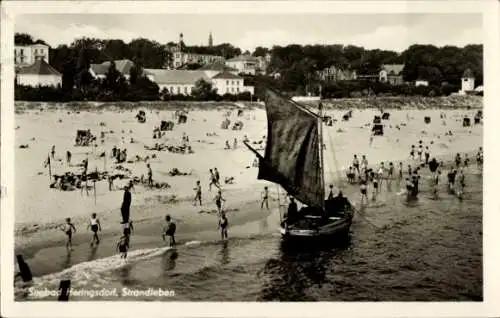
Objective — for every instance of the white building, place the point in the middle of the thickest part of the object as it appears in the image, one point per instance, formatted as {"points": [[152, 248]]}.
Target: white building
{"points": [[177, 82], [26, 55], [99, 70], [180, 58], [467, 81], [39, 73], [245, 64], [228, 83], [183, 82], [421, 82]]}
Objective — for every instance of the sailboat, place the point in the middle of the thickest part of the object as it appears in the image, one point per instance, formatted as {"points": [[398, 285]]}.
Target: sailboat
{"points": [[293, 159]]}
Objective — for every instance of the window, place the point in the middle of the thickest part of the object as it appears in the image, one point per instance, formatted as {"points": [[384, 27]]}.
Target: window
{"points": [[237, 89], [227, 82], [177, 55], [185, 90], [227, 89], [232, 82], [171, 89], [178, 89], [22, 51], [232, 89]]}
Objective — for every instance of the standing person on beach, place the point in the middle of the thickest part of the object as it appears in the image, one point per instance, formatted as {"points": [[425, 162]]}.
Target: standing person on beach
{"points": [[218, 201], [150, 175], [235, 143], [123, 246], [127, 201], [479, 158], [265, 198], [217, 177], [53, 151], [111, 186], [364, 165], [223, 224], [68, 157], [69, 229], [412, 152], [420, 150], [466, 161], [213, 180], [197, 191], [458, 160], [427, 155], [355, 164], [169, 230], [400, 173], [95, 226]]}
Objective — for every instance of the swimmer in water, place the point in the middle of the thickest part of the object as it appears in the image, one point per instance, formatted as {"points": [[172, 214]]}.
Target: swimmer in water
{"points": [[95, 226], [69, 229]]}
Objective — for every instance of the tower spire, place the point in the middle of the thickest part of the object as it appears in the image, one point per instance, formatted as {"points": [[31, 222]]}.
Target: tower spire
{"points": [[210, 40]]}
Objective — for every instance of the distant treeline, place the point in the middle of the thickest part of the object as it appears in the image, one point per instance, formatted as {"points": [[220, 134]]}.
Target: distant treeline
{"points": [[297, 64]]}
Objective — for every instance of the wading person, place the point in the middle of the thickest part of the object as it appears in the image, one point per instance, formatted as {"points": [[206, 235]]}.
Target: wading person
{"points": [[265, 198], [94, 226], [68, 228], [128, 228], [355, 164], [223, 224], [363, 189], [213, 181], [169, 230], [123, 246]]}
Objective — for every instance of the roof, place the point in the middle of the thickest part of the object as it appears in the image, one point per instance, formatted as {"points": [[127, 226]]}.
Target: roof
{"points": [[468, 74], [122, 66], [217, 67], [393, 69], [226, 75], [243, 58], [40, 67], [162, 76]]}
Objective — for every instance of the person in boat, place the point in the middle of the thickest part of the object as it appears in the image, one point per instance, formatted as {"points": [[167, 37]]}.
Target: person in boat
{"points": [[343, 202], [68, 228], [330, 194], [218, 201], [94, 226], [265, 198], [169, 230], [223, 224], [292, 212], [123, 246]]}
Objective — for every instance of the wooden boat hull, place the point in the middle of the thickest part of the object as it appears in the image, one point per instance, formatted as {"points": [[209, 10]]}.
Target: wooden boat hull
{"points": [[307, 227]]}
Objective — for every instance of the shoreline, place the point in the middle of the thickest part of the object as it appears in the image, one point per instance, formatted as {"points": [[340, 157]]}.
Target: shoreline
{"points": [[384, 102]]}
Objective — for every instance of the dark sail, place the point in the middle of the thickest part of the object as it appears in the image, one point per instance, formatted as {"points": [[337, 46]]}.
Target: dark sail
{"points": [[292, 151]]}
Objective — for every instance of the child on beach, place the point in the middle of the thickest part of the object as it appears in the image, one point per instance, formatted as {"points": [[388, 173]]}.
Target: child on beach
{"points": [[223, 224], [169, 230], [123, 246], [69, 229], [218, 201], [95, 226]]}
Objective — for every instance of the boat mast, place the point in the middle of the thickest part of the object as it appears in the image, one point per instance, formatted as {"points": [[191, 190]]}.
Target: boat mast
{"points": [[320, 114]]}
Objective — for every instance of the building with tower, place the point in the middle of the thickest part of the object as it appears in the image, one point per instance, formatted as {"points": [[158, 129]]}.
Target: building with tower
{"points": [[181, 58], [210, 40]]}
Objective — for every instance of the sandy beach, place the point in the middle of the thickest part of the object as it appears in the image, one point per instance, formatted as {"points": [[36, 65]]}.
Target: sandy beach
{"points": [[39, 209]]}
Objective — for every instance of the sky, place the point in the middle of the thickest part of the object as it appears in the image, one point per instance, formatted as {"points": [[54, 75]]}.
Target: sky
{"points": [[383, 31]]}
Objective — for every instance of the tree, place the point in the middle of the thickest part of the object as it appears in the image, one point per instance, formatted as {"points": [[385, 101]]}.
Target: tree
{"points": [[23, 39], [203, 90], [260, 51]]}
